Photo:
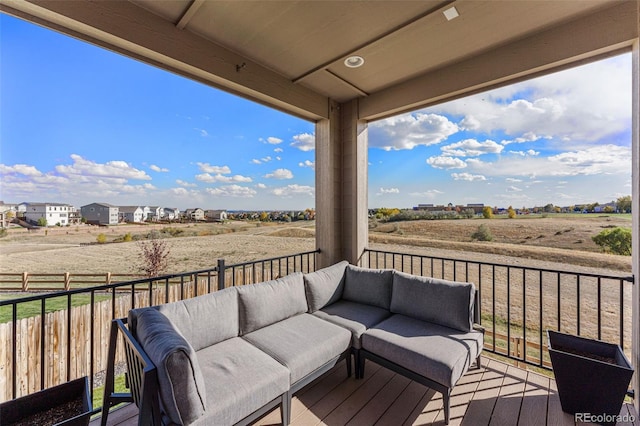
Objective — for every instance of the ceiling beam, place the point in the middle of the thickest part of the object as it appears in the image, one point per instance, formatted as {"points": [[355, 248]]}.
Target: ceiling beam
{"points": [[603, 33], [128, 29], [188, 14]]}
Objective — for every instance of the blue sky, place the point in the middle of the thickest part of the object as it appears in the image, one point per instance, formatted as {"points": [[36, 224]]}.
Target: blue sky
{"points": [[79, 124]]}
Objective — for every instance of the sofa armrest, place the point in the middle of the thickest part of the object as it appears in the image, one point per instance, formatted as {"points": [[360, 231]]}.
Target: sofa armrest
{"points": [[478, 327]]}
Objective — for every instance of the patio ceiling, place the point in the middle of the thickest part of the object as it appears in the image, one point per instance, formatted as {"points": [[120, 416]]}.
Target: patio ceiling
{"points": [[290, 54]]}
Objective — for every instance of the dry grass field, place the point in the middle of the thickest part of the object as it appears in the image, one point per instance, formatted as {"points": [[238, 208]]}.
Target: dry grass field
{"points": [[564, 241]]}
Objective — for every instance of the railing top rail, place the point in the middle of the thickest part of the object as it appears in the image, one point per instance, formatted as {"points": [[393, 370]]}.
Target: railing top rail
{"points": [[624, 277], [269, 259]]}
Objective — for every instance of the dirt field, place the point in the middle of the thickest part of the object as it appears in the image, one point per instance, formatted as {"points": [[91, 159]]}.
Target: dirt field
{"points": [[556, 241]]}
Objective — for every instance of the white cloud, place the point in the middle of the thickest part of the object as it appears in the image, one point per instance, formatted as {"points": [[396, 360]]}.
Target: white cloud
{"points": [[467, 176], [278, 150], [513, 180], [471, 148], [114, 169], [410, 130], [261, 185], [304, 142], [293, 190], [308, 163], [432, 193], [22, 169], [444, 162], [529, 152], [280, 174], [262, 160], [278, 158], [158, 169], [203, 133], [586, 103], [271, 140], [383, 191], [185, 184], [208, 168], [513, 189], [207, 177], [232, 191]]}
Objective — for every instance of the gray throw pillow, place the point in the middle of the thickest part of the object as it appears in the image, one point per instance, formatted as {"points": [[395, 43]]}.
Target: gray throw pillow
{"points": [[324, 286], [443, 302], [182, 388], [368, 286]]}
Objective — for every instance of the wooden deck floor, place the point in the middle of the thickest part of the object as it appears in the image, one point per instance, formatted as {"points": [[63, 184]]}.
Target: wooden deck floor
{"points": [[497, 394]]}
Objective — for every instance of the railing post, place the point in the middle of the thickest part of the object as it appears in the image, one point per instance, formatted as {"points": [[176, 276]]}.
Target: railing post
{"points": [[108, 278], [221, 274], [25, 281], [67, 281]]}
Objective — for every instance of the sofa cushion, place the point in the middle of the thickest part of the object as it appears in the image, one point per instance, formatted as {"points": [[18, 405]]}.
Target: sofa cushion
{"points": [[302, 343], [271, 301], [368, 286], [242, 378], [182, 387], [440, 353], [447, 303], [355, 317], [324, 286]]}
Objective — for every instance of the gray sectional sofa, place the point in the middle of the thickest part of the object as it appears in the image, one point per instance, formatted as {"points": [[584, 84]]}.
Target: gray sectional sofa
{"points": [[232, 356]]}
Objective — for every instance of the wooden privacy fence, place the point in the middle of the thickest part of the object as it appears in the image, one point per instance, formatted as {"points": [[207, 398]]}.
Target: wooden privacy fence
{"points": [[65, 341], [26, 281]]}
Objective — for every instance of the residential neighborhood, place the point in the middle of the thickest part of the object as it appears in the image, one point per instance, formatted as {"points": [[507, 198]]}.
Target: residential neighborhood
{"points": [[43, 214], [98, 213]]}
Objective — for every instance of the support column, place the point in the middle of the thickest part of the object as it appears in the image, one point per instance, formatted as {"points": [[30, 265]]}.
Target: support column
{"points": [[341, 185], [328, 188], [635, 221], [355, 165]]}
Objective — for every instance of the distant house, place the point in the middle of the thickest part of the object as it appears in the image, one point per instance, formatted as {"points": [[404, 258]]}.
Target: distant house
{"points": [[53, 213], [130, 214], [216, 215], [155, 213], [194, 214], [100, 214], [171, 214]]}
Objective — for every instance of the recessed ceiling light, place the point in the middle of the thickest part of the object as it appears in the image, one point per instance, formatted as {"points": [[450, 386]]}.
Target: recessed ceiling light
{"points": [[354, 61], [451, 13]]}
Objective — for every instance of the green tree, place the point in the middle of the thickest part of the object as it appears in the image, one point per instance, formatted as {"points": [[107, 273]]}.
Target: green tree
{"points": [[623, 204], [487, 212], [42, 221], [549, 208], [511, 212], [614, 240]]}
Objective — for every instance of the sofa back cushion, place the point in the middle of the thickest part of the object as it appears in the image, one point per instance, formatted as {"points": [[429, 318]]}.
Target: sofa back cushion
{"points": [[447, 303], [204, 320], [368, 286], [324, 286], [182, 387], [271, 301]]}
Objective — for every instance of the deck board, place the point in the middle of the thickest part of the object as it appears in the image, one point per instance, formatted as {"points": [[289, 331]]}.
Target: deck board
{"points": [[497, 393]]}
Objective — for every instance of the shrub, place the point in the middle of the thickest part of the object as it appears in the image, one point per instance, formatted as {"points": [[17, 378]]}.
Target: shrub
{"points": [[3, 232], [616, 241], [154, 257], [101, 238], [482, 234], [511, 213], [42, 221], [127, 237]]}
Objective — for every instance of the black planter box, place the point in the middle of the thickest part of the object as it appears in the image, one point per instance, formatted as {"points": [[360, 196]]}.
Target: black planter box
{"points": [[21, 408], [586, 383]]}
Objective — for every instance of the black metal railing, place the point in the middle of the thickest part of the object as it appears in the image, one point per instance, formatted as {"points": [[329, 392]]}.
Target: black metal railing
{"points": [[56, 337], [518, 303]]}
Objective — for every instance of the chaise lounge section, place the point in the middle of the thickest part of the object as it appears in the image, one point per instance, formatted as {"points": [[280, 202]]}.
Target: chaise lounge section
{"points": [[232, 356]]}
